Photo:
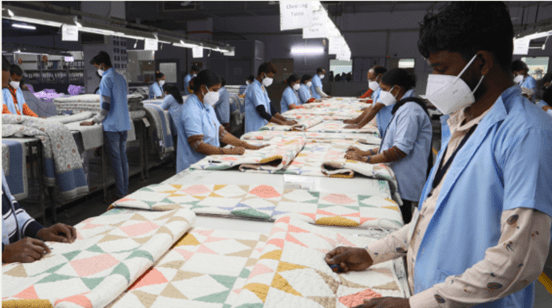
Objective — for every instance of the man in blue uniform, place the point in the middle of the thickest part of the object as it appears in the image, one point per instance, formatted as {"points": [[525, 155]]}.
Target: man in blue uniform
{"points": [[193, 73]]}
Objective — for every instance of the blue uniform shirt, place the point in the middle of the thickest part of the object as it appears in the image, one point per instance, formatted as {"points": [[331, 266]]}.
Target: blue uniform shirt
{"points": [[530, 83], [155, 91], [114, 86], [222, 107], [410, 130], [187, 79], [384, 115], [316, 82], [197, 119], [504, 165], [175, 110], [8, 100], [289, 97], [304, 94], [255, 96]]}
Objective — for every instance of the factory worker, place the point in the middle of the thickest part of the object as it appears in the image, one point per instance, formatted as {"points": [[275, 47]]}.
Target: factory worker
{"points": [[317, 87], [258, 109], [248, 81], [173, 103], [193, 73], [13, 96], [289, 97], [115, 120], [374, 77], [199, 131], [406, 144], [222, 106], [483, 230], [156, 89], [379, 110], [528, 84], [5, 83], [23, 237], [305, 93]]}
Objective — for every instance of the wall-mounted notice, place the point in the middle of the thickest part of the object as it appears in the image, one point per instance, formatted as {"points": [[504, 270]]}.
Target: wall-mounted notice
{"points": [[335, 45], [150, 44], [521, 46], [318, 29], [69, 33], [197, 52], [295, 15]]}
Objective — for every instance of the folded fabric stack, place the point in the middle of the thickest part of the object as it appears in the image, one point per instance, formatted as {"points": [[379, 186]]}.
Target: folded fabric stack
{"points": [[48, 95], [135, 102], [75, 90], [14, 165]]}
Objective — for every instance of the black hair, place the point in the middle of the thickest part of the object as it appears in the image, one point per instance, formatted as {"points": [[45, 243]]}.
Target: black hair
{"points": [[319, 70], [222, 82], [250, 78], [519, 65], [173, 90], [547, 96], [21, 83], [379, 70], [205, 77], [195, 68], [102, 58], [399, 77], [5, 64], [305, 78], [158, 75], [467, 27], [291, 79], [16, 70], [266, 67]]}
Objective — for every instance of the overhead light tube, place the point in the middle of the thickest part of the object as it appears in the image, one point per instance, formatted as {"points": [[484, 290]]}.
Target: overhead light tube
{"points": [[23, 26], [307, 51]]}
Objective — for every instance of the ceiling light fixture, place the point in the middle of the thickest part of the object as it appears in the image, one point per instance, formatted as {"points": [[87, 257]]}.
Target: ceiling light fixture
{"points": [[307, 51], [24, 26], [11, 13], [136, 44]]}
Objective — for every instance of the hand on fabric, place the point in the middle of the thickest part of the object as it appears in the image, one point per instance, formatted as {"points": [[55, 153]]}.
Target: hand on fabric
{"points": [[355, 156], [58, 233], [349, 121], [351, 126], [546, 108], [256, 147], [234, 151], [26, 250], [349, 259], [87, 123], [294, 122], [385, 302], [290, 123]]}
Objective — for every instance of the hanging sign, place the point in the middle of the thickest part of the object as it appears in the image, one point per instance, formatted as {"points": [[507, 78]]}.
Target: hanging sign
{"points": [[318, 29], [197, 52], [69, 33], [521, 46], [295, 15], [336, 44], [150, 44]]}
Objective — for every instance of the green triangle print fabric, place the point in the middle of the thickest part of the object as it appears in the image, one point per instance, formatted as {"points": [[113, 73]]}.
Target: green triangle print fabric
{"points": [[110, 253]]}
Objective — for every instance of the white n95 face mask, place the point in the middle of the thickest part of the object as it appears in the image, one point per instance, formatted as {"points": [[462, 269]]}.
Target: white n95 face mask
{"points": [[309, 84], [296, 87], [247, 82], [211, 98], [373, 85], [518, 79], [161, 83], [387, 98], [450, 93], [100, 72], [267, 81], [14, 84], [322, 76]]}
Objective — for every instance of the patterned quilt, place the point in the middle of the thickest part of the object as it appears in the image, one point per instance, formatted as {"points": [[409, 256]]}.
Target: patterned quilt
{"points": [[314, 137], [303, 125], [15, 168], [65, 119], [338, 127], [162, 123], [62, 162], [264, 202], [280, 152], [333, 117], [291, 271], [205, 268], [110, 253]]}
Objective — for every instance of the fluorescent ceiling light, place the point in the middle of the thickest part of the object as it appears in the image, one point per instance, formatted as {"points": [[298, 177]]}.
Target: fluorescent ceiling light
{"points": [[97, 31], [29, 53], [535, 36], [11, 13], [23, 26], [37, 21], [307, 51]]}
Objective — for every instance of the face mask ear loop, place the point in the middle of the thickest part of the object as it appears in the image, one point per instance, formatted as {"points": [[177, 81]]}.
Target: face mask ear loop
{"points": [[476, 87], [465, 68]]}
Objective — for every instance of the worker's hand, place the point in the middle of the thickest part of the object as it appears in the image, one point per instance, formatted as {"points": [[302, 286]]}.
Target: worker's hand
{"points": [[354, 150], [289, 123], [256, 147], [349, 121], [293, 121], [351, 126], [328, 97], [235, 151], [365, 108], [355, 156], [58, 233], [87, 123], [26, 250], [546, 108], [385, 302], [349, 259]]}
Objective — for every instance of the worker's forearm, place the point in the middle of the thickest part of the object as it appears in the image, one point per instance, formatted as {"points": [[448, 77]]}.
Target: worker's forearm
{"points": [[320, 92], [391, 155], [100, 117], [370, 114]]}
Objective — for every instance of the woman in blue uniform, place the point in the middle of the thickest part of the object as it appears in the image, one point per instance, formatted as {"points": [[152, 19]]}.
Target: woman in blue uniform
{"points": [[199, 131], [156, 89], [406, 144], [173, 102], [289, 97], [305, 93]]}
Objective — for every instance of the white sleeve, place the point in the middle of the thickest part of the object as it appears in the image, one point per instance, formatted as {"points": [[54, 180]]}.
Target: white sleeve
{"points": [[320, 92]]}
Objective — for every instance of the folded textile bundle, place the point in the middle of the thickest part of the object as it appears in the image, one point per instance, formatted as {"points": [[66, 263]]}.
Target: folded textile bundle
{"points": [[339, 127], [264, 202], [314, 137], [301, 126], [280, 152], [135, 102], [15, 168], [62, 162], [205, 268], [79, 117], [292, 272], [162, 124], [110, 253], [75, 90]]}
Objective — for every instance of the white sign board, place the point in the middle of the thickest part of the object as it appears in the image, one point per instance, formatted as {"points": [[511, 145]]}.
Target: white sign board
{"points": [[335, 45], [295, 15], [69, 33], [197, 52], [150, 44], [521, 46], [318, 29]]}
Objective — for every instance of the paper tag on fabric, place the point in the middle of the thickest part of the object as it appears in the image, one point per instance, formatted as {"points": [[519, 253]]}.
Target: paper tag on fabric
{"points": [[146, 122]]}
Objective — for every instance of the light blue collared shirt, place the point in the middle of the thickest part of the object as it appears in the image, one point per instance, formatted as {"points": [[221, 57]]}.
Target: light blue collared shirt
{"points": [[530, 83], [304, 94], [316, 82], [289, 97], [222, 107], [113, 87], [187, 79], [256, 95], [155, 91], [175, 109]]}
